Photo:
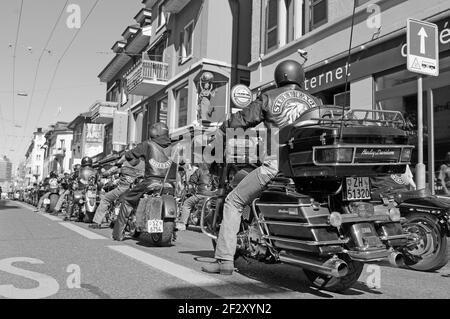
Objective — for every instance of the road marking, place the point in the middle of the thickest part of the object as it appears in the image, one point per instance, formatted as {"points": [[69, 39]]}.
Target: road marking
{"points": [[213, 285], [81, 231]]}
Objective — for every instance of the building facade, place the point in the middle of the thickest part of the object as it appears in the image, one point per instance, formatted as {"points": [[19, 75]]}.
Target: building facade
{"points": [[376, 72], [5, 170], [34, 158], [58, 157]]}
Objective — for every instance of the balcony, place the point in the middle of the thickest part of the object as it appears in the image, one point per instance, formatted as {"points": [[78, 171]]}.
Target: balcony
{"points": [[147, 77], [103, 112], [59, 152]]}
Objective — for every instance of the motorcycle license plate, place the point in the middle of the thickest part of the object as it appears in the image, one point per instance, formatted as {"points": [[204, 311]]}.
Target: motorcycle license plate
{"points": [[357, 188], [155, 226], [46, 201]]}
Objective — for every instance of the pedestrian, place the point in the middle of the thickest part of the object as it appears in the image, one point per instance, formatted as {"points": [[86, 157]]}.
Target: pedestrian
{"points": [[444, 175]]}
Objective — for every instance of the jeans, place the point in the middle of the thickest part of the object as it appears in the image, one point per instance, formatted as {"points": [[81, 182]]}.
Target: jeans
{"points": [[188, 205], [61, 200], [41, 200], [247, 190], [108, 199]]}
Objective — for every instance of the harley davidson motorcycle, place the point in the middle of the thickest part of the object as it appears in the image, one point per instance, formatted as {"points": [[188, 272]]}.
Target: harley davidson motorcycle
{"points": [[319, 213], [154, 219]]}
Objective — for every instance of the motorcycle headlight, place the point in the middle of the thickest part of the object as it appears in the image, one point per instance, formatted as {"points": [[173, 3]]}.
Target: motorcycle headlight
{"points": [[394, 214], [335, 219]]}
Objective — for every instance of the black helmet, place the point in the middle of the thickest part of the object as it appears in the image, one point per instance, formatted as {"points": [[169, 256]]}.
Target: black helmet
{"points": [[158, 129], [53, 174], [86, 161], [289, 72]]}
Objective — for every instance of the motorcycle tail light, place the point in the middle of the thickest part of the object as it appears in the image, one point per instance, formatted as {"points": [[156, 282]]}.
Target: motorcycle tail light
{"points": [[335, 219], [405, 157], [394, 214], [334, 155]]}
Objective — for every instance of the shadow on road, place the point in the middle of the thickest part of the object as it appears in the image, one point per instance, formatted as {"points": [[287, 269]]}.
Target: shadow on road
{"points": [[95, 291], [8, 205]]}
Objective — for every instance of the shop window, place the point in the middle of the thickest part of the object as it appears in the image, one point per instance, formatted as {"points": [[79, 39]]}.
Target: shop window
{"points": [[272, 25], [181, 106], [186, 37], [319, 13], [162, 110]]}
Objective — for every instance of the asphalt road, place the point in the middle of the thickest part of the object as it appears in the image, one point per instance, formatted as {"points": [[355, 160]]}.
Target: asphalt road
{"points": [[43, 257]]}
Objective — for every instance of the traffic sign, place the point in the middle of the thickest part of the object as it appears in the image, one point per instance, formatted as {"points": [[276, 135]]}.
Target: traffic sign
{"points": [[423, 47]]}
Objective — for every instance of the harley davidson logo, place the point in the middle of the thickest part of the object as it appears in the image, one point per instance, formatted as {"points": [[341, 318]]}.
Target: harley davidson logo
{"points": [[377, 152]]}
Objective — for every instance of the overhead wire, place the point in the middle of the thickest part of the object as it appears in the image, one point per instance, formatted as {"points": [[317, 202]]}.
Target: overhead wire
{"points": [[14, 61], [61, 58]]}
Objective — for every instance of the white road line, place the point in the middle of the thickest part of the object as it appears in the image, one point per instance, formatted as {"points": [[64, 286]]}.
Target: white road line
{"points": [[209, 283], [81, 231]]}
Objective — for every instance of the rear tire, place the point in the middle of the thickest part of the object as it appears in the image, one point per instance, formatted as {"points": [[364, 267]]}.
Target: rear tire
{"points": [[431, 251], [336, 284]]}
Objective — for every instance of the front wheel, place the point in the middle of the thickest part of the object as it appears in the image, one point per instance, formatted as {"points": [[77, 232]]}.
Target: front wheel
{"points": [[429, 250], [163, 239], [336, 284]]}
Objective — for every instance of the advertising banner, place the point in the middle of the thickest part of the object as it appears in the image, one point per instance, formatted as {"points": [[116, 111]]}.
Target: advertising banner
{"points": [[120, 128]]}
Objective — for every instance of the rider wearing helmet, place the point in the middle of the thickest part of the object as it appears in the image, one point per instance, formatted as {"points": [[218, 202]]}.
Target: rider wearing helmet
{"points": [[157, 155], [46, 182], [275, 108]]}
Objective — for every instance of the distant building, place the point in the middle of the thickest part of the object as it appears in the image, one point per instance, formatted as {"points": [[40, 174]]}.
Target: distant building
{"points": [[5, 170], [58, 154], [34, 159]]}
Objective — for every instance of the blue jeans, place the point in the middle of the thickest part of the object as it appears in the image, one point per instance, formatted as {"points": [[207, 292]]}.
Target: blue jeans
{"points": [[188, 205], [107, 200], [247, 190]]}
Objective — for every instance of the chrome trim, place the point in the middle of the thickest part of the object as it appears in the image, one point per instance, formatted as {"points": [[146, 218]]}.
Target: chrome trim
{"points": [[294, 224], [332, 267], [354, 147], [394, 237], [309, 243], [283, 205], [366, 256], [202, 217], [355, 218]]}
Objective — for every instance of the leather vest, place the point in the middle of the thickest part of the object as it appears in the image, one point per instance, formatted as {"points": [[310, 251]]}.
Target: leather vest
{"points": [[158, 160]]}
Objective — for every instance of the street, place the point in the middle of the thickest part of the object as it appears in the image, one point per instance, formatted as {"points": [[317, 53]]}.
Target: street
{"points": [[43, 257]]}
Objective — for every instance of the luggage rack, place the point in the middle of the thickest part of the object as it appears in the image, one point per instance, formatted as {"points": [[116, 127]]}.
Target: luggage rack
{"points": [[332, 116]]}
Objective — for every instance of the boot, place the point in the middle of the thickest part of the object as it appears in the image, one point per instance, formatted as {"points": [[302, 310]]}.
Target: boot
{"points": [[223, 267]]}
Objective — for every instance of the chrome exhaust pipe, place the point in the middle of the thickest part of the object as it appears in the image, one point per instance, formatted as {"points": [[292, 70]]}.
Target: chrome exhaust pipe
{"points": [[202, 217], [396, 259], [334, 267]]}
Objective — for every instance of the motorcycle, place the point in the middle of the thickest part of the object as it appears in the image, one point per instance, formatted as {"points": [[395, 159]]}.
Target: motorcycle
{"points": [[427, 218], [154, 218], [52, 200], [318, 214]]}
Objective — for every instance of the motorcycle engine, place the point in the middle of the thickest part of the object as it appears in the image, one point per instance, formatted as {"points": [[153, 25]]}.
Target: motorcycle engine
{"points": [[250, 243]]}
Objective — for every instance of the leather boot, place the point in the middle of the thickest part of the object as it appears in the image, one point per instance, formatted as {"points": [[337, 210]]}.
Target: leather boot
{"points": [[223, 267]]}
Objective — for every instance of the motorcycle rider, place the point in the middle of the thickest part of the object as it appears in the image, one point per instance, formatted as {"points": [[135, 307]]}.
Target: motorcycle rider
{"points": [[275, 108], [204, 184], [65, 185], [72, 178], [46, 184], [156, 153], [128, 175], [444, 175]]}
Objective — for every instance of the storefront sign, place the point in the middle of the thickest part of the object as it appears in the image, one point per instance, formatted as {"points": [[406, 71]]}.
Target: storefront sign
{"points": [[328, 79], [422, 47], [94, 136], [241, 96], [120, 128]]}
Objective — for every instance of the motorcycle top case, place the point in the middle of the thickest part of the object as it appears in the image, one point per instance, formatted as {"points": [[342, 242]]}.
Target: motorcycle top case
{"points": [[321, 143]]}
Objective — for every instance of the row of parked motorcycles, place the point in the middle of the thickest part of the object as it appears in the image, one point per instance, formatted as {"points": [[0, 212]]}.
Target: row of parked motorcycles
{"points": [[325, 212]]}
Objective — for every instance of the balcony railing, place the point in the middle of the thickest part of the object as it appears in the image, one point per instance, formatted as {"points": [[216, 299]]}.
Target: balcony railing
{"points": [[147, 77], [59, 151], [103, 113]]}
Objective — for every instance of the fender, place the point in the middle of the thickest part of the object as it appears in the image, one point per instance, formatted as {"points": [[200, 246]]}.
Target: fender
{"points": [[169, 206], [429, 205]]}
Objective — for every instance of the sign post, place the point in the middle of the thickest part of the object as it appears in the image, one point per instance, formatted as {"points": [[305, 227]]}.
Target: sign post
{"points": [[422, 58]]}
